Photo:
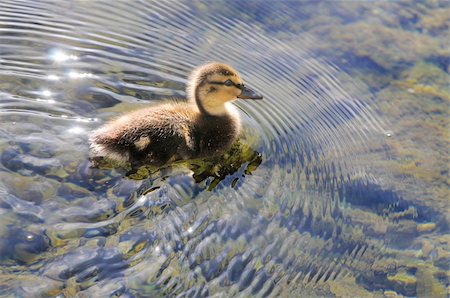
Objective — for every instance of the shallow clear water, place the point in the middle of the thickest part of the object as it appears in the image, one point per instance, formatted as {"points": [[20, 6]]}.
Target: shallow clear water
{"points": [[338, 186]]}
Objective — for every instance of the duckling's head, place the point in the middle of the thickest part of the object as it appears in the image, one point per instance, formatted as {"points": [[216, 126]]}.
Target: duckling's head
{"points": [[212, 86]]}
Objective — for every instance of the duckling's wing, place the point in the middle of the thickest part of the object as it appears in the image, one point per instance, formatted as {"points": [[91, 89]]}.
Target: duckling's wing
{"points": [[161, 133]]}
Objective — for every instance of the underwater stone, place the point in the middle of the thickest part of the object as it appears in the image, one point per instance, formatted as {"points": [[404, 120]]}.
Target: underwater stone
{"points": [[427, 283], [401, 234], [235, 269], [71, 191], [404, 283], [442, 258], [22, 246], [29, 285], [391, 294], [247, 278], [33, 189], [426, 227]]}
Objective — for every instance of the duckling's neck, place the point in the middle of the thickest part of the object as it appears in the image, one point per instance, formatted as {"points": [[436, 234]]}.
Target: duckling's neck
{"points": [[217, 110], [214, 133], [212, 104]]}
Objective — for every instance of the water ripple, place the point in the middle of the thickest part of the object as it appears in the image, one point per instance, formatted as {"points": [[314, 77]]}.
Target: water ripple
{"points": [[288, 223]]}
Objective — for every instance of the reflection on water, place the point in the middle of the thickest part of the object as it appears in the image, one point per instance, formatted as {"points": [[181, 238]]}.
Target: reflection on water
{"points": [[327, 193]]}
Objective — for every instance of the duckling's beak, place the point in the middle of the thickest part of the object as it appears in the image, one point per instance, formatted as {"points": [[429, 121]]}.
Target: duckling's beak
{"points": [[248, 93]]}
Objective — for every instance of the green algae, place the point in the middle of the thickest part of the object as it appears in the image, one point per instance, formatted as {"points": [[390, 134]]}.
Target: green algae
{"points": [[420, 145], [347, 285], [437, 22], [217, 167], [387, 47]]}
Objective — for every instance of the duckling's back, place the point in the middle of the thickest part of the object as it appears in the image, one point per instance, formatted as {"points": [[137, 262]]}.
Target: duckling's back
{"points": [[153, 135]]}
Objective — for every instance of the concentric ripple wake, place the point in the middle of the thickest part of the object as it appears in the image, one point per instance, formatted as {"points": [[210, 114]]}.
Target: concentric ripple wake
{"points": [[283, 228]]}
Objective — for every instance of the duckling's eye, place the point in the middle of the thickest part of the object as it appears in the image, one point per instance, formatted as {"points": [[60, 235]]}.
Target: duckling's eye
{"points": [[228, 83]]}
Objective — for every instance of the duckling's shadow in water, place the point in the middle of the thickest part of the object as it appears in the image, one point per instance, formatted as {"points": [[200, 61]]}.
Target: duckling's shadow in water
{"points": [[207, 173]]}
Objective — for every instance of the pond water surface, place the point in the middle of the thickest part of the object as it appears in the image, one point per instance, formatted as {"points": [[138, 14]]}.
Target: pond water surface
{"points": [[338, 185]]}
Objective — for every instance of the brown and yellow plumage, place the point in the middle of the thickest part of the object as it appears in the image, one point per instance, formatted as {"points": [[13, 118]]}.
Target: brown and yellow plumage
{"points": [[204, 125]]}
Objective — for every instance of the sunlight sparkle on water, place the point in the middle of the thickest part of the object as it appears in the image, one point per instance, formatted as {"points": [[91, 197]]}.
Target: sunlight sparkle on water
{"points": [[142, 200], [52, 78], [86, 120], [80, 75], [60, 56], [46, 93], [76, 130], [51, 101]]}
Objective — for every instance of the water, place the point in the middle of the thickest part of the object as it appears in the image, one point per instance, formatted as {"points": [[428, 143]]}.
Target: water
{"points": [[331, 190]]}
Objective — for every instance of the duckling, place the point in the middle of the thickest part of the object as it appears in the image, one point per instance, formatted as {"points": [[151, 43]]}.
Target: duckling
{"points": [[204, 125]]}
